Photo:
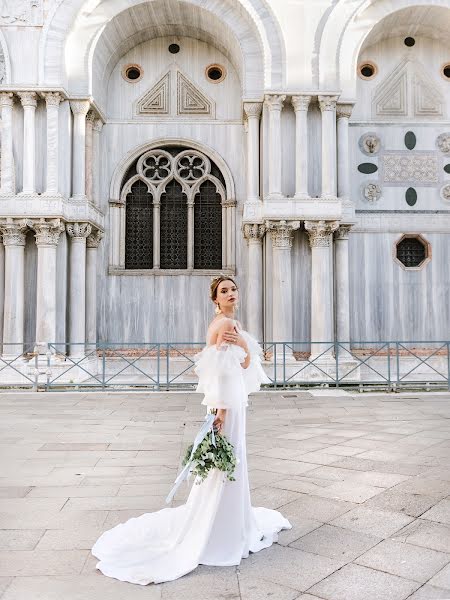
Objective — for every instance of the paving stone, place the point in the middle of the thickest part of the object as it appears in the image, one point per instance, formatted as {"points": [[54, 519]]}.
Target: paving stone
{"points": [[350, 491], [336, 542], [375, 522], [439, 513], [430, 592], [272, 497], [354, 582], [413, 505], [427, 534], [313, 507], [253, 588], [41, 562], [442, 579], [300, 527], [20, 539], [425, 486], [15, 491], [204, 582]]}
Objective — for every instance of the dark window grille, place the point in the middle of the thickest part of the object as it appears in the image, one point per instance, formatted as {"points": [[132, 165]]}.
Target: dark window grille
{"points": [[207, 227], [173, 227], [139, 228], [411, 252]]}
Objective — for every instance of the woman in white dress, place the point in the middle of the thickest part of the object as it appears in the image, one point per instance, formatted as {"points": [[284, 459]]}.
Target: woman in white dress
{"points": [[217, 525]]}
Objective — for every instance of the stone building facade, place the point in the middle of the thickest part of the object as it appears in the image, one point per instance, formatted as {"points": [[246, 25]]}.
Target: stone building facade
{"points": [[303, 147]]}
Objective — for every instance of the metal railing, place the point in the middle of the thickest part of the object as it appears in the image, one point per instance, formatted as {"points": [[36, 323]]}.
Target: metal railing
{"points": [[160, 366]]}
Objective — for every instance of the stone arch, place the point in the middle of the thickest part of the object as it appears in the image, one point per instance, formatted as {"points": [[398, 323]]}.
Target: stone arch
{"points": [[75, 26], [348, 26]]}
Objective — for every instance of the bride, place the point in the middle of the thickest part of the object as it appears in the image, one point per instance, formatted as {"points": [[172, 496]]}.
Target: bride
{"points": [[217, 525]]}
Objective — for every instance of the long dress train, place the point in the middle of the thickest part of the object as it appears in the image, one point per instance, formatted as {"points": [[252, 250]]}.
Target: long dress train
{"points": [[217, 525]]}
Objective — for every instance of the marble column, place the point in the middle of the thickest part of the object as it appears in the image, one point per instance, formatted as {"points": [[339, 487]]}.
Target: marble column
{"points": [[254, 233], [98, 125], [78, 232], [2, 287], [7, 166], [343, 114], [190, 234], [116, 247], [342, 286], [47, 236], [29, 103], [89, 154], [275, 105], [301, 104], [14, 235], [328, 108], [282, 233], [253, 113], [320, 240], [92, 242], [52, 101], [80, 109]]}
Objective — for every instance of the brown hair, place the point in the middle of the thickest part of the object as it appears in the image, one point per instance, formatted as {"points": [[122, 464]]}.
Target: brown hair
{"points": [[215, 284]]}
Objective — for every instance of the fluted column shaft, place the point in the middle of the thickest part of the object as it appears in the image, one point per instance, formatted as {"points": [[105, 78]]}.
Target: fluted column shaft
{"points": [[47, 237], [301, 104], [254, 234], [14, 233], [275, 105], [253, 112], [52, 101], [343, 113], [342, 284], [78, 233], [29, 103], [328, 108], [320, 239], [7, 171], [92, 244], [80, 109]]}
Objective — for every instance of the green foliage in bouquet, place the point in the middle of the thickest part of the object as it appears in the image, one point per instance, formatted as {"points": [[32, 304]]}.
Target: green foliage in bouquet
{"points": [[207, 457]]}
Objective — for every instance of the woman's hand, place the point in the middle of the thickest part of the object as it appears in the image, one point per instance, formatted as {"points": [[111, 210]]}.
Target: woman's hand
{"points": [[233, 337], [220, 419]]}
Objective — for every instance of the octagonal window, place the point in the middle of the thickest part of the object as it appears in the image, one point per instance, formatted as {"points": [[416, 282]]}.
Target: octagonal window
{"points": [[412, 251]]}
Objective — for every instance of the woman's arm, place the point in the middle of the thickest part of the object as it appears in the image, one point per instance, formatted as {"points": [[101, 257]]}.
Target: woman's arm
{"points": [[227, 334]]}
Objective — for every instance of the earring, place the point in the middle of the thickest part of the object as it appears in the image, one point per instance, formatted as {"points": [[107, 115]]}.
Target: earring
{"points": [[217, 309]]}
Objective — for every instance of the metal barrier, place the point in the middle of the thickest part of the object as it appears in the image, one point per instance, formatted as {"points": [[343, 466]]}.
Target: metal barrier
{"points": [[160, 366]]}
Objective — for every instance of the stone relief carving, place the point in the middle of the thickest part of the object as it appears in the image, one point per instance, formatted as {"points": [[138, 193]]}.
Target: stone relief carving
{"points": [[21, 12], [416, 168], [370, 143], [320, 232], [190, 100], [443, 143], [371, 192], [156, 100], [282, 232], [445, 192]]}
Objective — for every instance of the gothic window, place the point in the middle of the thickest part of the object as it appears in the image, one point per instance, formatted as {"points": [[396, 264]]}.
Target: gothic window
{"points": [[181, 193]]}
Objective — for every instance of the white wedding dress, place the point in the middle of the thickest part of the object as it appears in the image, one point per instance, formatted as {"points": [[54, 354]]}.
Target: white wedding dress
{"points": [[217, 525]]}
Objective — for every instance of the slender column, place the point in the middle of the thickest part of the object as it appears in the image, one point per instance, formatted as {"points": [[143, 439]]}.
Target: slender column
{"points": [[190, 234], [52, 101], [29, 103], [320, 240], [2, 286], [14, 233], [47, 237], [89, 154], [301, 104], [253, 112], [343, 114], [282, 233], [275, 104], [254, 234], [342, 285], [156, 233], [7, 170], [92, 242], [78, 233], [80, 109], [115, 209], [98, 124], [328, 108]]}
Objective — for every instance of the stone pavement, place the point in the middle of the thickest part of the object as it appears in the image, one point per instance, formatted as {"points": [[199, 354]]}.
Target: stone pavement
{"points": [[363, 478]]}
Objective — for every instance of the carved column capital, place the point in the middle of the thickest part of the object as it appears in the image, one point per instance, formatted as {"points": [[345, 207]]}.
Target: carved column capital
{"points": [[80, 107], [93, 239], [275, 101], [253, 109], [320, 232], [14, 231], [28, 99], [300, 102], [52, 98], [282, 232], [327, 102], [90, 117], [78, 231], [98, 125], [342, 232], [47, 231], [6, 99], [344, 111], [254, 232]]}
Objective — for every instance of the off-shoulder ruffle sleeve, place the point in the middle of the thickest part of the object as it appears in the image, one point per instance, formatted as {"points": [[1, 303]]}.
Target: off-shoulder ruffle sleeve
{"points": [[220, 375], [254, 375]]}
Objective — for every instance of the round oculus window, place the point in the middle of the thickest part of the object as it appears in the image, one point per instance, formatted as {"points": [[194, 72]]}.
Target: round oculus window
{"points": [[446, 71], [174, 48], [132, 73], [409, 41], [215, 73], [367, 70]]}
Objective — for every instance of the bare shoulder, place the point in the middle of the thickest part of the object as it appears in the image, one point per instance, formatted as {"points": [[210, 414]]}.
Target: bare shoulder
{"points": [[218, 327]]}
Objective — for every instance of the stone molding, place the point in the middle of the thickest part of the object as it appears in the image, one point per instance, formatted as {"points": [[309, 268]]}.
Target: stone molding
{"points": [[300, 102], [327, 102], [78, 231], [253, 109], [254, 232], [28, 99], [14, 231], [320, 232], [47, 231], [282, 232]]}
